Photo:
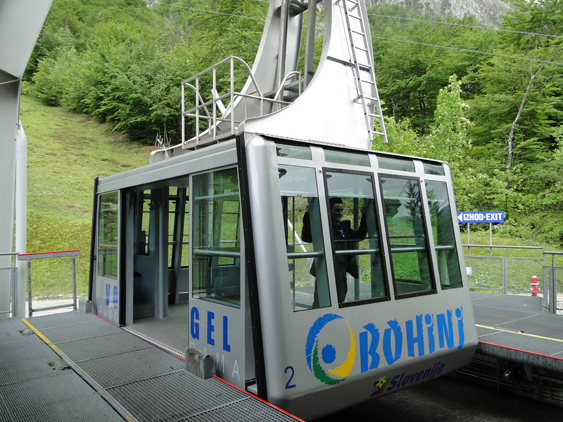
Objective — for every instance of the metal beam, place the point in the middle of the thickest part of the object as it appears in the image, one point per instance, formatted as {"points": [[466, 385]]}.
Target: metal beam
{"points": [[20, 24], [9, 111]]}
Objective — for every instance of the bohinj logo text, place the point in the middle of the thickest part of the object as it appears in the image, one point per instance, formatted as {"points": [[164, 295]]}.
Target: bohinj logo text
{"points": [[420, 335]]}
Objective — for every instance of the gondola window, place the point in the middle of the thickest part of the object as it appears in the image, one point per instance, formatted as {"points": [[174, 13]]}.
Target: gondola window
{"points": [[357, 252], [216, 249], [304, 240], [108, 235], [444, 237], [407, 236]]}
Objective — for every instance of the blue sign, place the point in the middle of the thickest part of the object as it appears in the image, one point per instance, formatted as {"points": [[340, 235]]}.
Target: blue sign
{"points": [[481, 217]]}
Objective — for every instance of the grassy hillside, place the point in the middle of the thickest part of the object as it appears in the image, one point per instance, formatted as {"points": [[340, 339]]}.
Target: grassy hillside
{"points": [[66, 152]]}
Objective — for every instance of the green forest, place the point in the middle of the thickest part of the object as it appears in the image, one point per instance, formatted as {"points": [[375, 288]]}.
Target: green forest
{"points": [[486, 100]]}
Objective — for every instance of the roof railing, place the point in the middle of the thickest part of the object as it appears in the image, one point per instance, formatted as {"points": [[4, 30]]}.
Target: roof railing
{"points": [[213, 111]]}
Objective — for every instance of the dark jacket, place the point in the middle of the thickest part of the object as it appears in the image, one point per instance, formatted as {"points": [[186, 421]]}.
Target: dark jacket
{"points": [[344, 238]]}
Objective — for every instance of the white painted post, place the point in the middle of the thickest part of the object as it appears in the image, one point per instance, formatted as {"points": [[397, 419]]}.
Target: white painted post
{"points": [[468, 238], [21, 216], [491, 238]]}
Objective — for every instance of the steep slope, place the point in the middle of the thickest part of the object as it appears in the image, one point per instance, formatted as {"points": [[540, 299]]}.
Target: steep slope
{"points": [[66, 152]]}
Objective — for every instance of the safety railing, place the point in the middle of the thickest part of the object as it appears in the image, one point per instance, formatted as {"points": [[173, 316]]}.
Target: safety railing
{"points": [[49, 255], [504, 269], [213, 111], [553, 282], [9, 287]]}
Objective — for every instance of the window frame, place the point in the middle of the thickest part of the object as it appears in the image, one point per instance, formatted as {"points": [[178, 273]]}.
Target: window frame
{"points": [[324, 253], [434, 240], [194, 220], [425, 221], [101, 270], [382, 234]]}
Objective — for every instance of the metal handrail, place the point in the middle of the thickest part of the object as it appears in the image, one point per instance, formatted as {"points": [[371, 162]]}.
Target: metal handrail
{"points": [[198, 107], [298, 255], [503, 247], [228, 114], [506, 288], [46, 255], [355, 251], [285, 79], [219, 253], [551, 303]]}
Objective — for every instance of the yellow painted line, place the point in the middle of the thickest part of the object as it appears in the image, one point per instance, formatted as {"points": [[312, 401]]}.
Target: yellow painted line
{"points": [[42, 337], [61, 354], [522, 334]]}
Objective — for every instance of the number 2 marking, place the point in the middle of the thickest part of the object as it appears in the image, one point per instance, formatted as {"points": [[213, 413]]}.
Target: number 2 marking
{"points": [[288, 385]]}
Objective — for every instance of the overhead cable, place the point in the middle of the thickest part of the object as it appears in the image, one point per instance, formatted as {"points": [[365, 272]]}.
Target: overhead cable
{"points": [[211, 11], [470, 51], [467, 26], [381, 16], [405, 41]]}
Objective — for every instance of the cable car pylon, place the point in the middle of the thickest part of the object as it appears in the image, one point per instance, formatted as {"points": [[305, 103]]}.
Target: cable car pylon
{"points": [[335, 103]]}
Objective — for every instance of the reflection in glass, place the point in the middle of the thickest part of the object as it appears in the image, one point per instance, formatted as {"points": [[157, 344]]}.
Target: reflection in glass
{"points": [[355, 238], [444, 238], [216, 249], [108, 235], [178, 238], [436, 169], [293, 151], [172, 221], [305, 253], [407, 236], [393, 163], [347, 157]]}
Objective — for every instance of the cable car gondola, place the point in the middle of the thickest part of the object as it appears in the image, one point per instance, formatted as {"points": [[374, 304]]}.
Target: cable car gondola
{"points": [[314, 272]]}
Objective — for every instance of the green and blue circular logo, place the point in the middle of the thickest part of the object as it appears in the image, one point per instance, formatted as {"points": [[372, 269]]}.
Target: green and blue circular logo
{"points": [[328, 353]]}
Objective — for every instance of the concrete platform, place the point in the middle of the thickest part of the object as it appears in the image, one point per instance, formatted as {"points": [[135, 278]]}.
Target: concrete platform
{"points": [[515, 328], [110, 374]]}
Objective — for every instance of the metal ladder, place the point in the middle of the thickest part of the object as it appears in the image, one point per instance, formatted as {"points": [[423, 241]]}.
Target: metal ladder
{"points": [[364, 72]]}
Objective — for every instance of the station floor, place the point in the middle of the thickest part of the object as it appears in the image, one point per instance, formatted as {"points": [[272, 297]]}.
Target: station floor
{"points": [[515, 328], [170, 333], [75, 367], [70, 366]]}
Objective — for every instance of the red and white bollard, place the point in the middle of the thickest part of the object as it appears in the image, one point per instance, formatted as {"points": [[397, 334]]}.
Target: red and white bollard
{"points": [[534, 285]]}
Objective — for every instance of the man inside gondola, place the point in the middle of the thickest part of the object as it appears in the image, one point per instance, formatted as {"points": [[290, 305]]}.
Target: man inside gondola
{"points": [[344, 237]]}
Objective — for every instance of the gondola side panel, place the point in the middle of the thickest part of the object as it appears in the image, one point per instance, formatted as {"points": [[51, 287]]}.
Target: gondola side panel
{"points": [[270, 259], [319, 360]]}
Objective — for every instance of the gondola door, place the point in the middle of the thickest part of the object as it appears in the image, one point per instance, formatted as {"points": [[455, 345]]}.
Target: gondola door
{"points": [[106, 295], [218, 311]]}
